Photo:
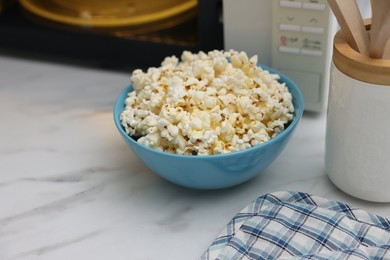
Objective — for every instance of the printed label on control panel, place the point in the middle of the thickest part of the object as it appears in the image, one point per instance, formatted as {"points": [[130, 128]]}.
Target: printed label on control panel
{"points": [[300, 42]]}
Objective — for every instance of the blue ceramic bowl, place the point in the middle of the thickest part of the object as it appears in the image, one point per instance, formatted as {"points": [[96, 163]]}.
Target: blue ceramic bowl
{"points": [[214, 171]]}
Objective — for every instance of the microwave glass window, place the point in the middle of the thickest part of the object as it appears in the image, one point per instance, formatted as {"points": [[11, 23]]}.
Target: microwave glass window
{"points": [[115, 13]]}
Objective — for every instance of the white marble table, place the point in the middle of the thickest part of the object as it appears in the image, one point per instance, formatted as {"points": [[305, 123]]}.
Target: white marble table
{"points": [[70, 188]]}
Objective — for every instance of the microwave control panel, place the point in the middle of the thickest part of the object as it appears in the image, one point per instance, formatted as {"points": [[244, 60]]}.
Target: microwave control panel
{"points": [[302, 46]]}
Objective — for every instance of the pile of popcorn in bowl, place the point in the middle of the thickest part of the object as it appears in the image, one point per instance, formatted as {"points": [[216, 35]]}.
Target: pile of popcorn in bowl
{"points": [[206, 104]]}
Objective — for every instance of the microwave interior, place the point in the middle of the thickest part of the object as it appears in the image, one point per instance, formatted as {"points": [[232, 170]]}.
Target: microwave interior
{"points": [[117, 34]]}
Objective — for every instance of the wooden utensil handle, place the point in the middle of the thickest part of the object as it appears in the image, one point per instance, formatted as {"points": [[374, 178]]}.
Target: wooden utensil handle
{"points": [[349, 18]]}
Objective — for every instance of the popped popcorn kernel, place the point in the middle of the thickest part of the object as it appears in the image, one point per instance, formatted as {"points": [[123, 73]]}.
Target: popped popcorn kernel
{"points": [[207, 103]]}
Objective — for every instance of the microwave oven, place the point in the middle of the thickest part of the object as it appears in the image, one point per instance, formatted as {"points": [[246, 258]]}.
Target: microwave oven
{"points": [[293, 36]]}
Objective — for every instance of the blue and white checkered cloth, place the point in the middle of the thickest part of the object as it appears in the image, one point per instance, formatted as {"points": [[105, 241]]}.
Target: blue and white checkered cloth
{"points": [[296, 225]]}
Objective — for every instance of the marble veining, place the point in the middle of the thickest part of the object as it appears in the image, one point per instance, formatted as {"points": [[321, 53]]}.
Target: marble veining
{"points": [[71, 189], [52, 247]]}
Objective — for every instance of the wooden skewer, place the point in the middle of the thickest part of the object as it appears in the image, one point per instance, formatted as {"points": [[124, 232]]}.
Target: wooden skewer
{"points": [[386, 52], [351, 23], [380, 28]]}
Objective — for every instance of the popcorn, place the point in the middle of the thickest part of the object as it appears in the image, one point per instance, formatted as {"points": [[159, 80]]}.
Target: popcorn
{"points": [[209, 103]]}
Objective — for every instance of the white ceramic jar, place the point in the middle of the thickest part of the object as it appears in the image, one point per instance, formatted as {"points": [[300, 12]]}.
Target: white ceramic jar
{"points": [[357, 156]]}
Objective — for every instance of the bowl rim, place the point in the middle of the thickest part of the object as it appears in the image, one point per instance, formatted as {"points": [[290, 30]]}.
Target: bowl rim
{"points": [[298, 112]]}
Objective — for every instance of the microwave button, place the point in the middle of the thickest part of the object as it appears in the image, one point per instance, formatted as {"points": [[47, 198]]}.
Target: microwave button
{"points": [[290, 27], [311, 29], [290, 4], [308, 82], [313, 6], [311, 52], [289, 49]]}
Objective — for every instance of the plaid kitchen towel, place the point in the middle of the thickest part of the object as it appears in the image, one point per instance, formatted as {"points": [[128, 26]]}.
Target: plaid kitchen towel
{"points": [[296, 225]]}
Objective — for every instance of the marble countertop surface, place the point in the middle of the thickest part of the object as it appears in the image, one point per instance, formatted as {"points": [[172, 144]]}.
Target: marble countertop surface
{"points": [[70, 188]]}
